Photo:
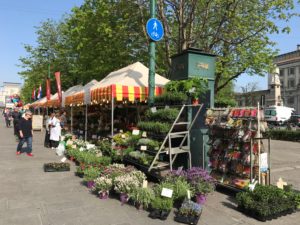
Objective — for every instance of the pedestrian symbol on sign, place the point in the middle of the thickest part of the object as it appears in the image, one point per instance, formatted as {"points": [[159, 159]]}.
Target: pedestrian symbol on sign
{"points": [[155, 29]]}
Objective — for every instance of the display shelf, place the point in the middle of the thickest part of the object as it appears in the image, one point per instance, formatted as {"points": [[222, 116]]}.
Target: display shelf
{"points": [[237, 152]]}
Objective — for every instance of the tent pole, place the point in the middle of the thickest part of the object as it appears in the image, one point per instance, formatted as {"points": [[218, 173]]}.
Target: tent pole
{"points": [[86, 120], [71, 120], [112, 117]]}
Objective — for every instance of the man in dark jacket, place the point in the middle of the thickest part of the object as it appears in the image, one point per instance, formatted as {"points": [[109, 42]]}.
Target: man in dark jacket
{"points": [[16, 118], [25, 133]]}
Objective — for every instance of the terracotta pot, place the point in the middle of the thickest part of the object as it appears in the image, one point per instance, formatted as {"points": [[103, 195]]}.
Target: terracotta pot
{"points": [[195, 102]]}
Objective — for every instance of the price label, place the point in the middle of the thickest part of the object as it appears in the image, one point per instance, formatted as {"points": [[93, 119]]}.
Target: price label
{"points": [[123, 136], [121, 131], [144, 134], [153, 110], [143, 148], [135, 132], [188, 194], [63, 159], [167, 192], [145, 184]]}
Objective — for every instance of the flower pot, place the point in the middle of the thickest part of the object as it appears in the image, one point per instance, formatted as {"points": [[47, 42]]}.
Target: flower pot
{"points": [[201, 199], [124, 198], [103, 194], [195, 102], [90, 184], [138, 206]]}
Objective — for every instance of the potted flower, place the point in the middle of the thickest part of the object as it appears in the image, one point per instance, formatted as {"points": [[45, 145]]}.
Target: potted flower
{"points": [[142, 197], [56, 167], [89, 174], [102, 186], [202, 188], [126, 183], [161, 208], [189, 213]]}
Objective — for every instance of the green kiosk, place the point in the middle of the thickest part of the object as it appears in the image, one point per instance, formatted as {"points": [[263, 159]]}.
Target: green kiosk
{"points": [[196, 63]]}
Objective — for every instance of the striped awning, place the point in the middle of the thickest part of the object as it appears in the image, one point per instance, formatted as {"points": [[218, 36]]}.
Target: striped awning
{"points": [[122, 92]]}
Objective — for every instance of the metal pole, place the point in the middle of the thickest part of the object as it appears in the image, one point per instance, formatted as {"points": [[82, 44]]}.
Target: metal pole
{"points": [[71, 120], [112, 117], [151, 79], [86, 121]]}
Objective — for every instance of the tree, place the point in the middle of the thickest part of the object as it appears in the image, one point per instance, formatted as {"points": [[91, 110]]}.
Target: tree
{"points": [[234, 30]]}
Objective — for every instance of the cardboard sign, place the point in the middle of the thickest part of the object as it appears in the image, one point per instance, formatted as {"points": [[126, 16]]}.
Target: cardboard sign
{"points": [[188, 194], [143, 148], [63, 159], [145, 184], [135, 132], [153, 110], [166, 193], [144, 134]]}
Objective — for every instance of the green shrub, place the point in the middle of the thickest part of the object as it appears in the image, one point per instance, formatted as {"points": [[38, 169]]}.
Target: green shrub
{"points": [[166, 115], [162, 203], [284, 135], [172, 98], [91, 173], [143, 196], [154, 127]]}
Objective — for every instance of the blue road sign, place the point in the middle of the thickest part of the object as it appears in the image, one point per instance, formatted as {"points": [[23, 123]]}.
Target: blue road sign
{"points": [[155, 29]]}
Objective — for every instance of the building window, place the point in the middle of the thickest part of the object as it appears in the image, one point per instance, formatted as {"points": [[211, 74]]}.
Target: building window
{"points": [[281, 72], [291, 83], [292, 71], [291, 101]]}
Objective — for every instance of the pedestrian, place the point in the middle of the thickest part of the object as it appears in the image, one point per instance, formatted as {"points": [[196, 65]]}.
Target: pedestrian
{"points": [[16, 118], [7, 116], [47, 143], [25, 133], [55, 131]]}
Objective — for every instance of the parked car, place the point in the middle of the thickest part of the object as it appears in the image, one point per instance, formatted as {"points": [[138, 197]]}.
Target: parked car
{"points": [[294, 121]]}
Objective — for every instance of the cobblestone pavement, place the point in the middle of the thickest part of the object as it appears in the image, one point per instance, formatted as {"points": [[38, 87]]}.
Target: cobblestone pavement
{"points": [[29, 196]]}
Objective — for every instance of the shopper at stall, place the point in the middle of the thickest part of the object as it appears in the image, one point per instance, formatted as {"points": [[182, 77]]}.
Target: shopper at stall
{"points": [[47, 142], [16, 118], [55, 131], [25, 133]]}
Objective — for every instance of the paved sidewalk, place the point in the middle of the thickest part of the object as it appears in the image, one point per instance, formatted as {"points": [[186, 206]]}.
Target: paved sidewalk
{"points": [[29, 196]]}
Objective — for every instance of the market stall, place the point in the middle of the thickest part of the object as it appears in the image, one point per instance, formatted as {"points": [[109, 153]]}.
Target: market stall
{"points": [[129, 84]]}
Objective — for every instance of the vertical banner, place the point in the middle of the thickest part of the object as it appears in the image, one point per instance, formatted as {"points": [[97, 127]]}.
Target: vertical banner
{"points": [[48, 91], [58, 84], [33, 94]]}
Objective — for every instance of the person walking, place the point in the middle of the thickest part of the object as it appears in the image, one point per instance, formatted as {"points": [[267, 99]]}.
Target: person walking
{"points": [[55, 131], [47, 142], [25, 133], [7, 116]]}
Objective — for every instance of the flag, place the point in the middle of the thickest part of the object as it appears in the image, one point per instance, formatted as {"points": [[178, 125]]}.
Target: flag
{"points": [[48, 90], [39, 95], [33, 94], [58, 84]]}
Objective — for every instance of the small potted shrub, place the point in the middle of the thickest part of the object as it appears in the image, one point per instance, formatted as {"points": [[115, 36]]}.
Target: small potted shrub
{"points": [[161, 208], [188, 213], [89, 174], [102, 186], [142, 197]]}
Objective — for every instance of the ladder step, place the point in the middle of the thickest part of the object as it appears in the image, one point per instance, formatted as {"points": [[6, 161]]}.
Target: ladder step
{"points": [[180, 132], [177, 150], [161, 164], [177, 136], [182, 123]]}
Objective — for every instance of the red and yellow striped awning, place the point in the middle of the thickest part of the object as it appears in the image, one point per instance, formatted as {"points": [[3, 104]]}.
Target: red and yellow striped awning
{"points": [[75, 99], [52, 103], [122, 92]]}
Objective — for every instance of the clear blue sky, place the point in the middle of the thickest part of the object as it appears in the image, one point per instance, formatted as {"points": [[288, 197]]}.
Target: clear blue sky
{"points": [[19, 17]]}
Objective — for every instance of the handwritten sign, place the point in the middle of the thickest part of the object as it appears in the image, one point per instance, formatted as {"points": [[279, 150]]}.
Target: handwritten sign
{"points": [[135, 132], [143, 148]]}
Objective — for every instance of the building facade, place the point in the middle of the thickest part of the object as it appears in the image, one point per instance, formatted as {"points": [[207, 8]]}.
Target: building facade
{"points": [[289, 75], [8, 89]]}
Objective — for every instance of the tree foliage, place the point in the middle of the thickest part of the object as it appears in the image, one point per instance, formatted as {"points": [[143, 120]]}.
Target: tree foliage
{"points": [[103, 35]]}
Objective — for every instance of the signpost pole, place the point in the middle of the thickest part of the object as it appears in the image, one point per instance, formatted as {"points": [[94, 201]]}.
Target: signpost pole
{"points": [[151, 79]]}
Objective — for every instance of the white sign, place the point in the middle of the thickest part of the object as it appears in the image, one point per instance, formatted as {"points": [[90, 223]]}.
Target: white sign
{"points": [[121, 131], [188, 194], [145, 184], [143, 148], [63, 159], [153, 110], [263, 162], [123, 136], [144, 134], [81, 132], [167, 192], [135, 132], [94, 136]]}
